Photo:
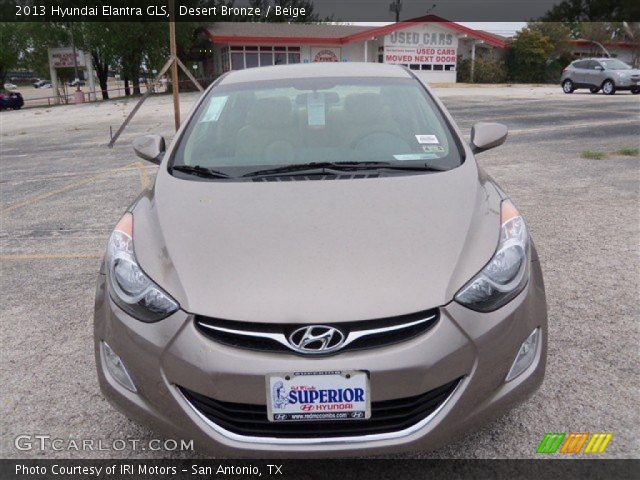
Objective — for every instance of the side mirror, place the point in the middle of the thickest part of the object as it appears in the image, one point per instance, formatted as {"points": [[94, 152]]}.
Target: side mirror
{"points": [[487, 135], [150, 148], [600, 67]]}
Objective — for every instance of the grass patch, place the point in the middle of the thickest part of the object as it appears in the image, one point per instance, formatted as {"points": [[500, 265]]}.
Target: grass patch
{"points": [[629, 152], [592, 155]]}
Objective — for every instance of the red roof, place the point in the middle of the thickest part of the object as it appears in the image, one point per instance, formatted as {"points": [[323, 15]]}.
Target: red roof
{"points": [[291, 33], [488, 38], [622, 44]]}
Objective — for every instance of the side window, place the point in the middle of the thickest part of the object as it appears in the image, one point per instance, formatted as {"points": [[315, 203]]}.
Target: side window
{"points": [[581, 64]]}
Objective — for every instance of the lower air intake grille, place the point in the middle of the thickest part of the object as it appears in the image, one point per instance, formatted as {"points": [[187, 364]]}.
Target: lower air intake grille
{"points": [[386, 416]]}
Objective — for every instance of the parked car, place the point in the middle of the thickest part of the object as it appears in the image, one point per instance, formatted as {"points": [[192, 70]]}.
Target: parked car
{"points": [[10, 86], [320, 268], [77, 83], [11, 100], [608, 74], [42, 84]]}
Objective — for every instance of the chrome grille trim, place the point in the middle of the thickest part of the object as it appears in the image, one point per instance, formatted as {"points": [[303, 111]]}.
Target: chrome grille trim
{"points": [[281, 338]]}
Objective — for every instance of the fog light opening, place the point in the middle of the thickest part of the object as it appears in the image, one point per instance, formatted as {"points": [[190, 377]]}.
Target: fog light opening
{"points": [[116, 367], [526, 355]]}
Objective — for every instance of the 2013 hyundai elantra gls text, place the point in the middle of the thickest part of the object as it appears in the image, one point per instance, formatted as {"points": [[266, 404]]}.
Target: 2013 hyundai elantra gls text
{"points": [[320, 269]]}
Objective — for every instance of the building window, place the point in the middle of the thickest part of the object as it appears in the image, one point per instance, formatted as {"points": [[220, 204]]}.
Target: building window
{"points": [[426, 66], [294, 57], [251, 59], [414, 66], [224, 59], [438, 67], [249, 56], [237, 60], [266, 59], [449, 67]]}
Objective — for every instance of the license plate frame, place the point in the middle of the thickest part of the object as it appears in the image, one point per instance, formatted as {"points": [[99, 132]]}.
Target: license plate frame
{"points": [[309, 403]]}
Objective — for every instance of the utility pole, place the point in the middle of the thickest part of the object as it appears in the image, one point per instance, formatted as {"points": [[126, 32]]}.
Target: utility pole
{"points": [[75, 58], [396, 6], [173, 62], [174, 66]]}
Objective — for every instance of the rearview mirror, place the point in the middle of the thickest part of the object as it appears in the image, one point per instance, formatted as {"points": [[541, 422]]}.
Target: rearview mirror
{"points": [[150, 148], [487, 135]]}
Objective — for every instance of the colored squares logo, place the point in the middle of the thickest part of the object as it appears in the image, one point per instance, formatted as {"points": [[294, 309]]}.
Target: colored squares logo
{"points": [[574, 443]]}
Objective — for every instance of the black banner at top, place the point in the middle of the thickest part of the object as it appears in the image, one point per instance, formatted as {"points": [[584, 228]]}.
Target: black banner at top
{"points": [[320, 10]]}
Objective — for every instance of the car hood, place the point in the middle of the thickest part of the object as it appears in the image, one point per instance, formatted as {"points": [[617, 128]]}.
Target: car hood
{"points": [[317, 250]]}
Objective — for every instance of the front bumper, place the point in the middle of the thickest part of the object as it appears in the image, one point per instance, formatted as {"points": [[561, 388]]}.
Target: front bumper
{"points": [[627, 83], [478, 347]]}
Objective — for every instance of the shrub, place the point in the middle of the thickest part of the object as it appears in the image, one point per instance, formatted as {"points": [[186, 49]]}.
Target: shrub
{"points": [[592, 155], [629, 152], [527, 58], [487, 70]]}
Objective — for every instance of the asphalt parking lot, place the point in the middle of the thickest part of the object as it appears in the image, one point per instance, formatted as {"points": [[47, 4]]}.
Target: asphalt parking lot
{"points": [[62, 192]]}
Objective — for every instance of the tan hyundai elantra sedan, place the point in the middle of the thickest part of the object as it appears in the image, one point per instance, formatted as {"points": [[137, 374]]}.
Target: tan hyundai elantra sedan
{"points": [[321, 269]]}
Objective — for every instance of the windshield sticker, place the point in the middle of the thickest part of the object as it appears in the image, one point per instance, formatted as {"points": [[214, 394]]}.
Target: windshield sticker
{"points": [[416, 156], [214, 109], [315, 109], [427, 139], [433, 149]]}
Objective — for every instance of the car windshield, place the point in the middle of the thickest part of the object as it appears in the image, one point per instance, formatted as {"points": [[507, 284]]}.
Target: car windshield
{"points": [[614, 64], [247, 127]]}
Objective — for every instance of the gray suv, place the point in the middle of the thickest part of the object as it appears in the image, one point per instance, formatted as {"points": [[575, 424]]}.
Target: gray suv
{"points": [[608, 74]]}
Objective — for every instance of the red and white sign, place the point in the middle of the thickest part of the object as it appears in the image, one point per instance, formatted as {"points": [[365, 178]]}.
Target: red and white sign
{"points": [[420, 54], [325, 54], [63, 57], [422, 44]]}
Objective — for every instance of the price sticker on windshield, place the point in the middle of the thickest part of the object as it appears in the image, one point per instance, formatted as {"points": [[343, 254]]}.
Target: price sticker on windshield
{"points": [[427, 139]]}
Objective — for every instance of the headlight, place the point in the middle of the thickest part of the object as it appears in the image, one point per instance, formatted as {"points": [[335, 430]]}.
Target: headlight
{"points": [[507, 272], [131, 288]]}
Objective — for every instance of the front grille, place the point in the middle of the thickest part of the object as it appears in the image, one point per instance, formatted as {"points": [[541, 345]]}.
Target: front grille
{"points": [[386, 416], [359, 334]]}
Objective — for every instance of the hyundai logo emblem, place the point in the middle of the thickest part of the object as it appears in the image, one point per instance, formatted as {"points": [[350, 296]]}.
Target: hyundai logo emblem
{"points": [[316, 339]]}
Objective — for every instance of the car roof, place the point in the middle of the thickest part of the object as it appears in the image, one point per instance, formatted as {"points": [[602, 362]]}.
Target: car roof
{"points": [[315, 70], [595, 58]]}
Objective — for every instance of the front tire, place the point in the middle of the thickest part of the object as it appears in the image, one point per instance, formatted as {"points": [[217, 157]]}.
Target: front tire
{"points": [[608, 87], [567, 86], [594, 89]]}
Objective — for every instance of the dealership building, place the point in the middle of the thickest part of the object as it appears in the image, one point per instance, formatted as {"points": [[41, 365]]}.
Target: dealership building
{"points": [[430, 46]]}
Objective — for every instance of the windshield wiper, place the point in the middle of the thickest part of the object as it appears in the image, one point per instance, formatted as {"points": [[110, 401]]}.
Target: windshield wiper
{"points": [[200, 171], [333, 167], [307, 168]]}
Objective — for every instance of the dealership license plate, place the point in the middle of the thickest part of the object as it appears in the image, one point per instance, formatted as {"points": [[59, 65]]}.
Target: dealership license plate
{"points": [[318, 396]]}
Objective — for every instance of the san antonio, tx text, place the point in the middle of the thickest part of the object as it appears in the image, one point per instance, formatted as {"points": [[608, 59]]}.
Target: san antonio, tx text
{"points": [[157, 11], [142, 469]]}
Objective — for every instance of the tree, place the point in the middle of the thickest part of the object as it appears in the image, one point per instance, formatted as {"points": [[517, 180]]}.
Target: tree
{"points": [[12, 45], [528, 55], [99, 38], [575, 11], [558, 34]]}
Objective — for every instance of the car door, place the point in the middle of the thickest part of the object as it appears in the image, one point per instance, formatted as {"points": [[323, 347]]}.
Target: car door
{"points": [[593, 73], [579, 72]]}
